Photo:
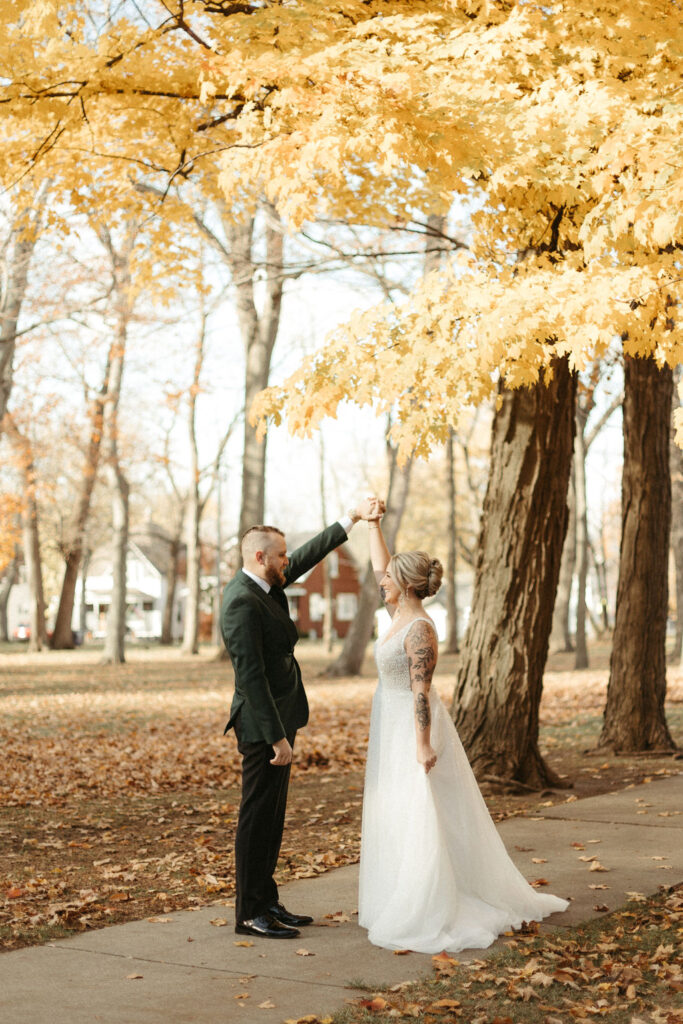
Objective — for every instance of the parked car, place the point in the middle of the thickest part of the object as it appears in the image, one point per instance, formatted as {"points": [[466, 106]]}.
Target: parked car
{"points": [[22, 632]]}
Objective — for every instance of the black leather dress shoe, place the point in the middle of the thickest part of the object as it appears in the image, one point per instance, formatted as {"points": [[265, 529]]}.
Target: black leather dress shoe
{"points": [[266, 926], [282, 915]]}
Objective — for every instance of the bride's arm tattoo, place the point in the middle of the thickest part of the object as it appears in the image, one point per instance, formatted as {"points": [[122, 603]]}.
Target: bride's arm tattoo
{"points": [[422, 714], [421, 650]]}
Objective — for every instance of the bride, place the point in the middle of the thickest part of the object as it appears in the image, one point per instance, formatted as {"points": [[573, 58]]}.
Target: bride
{"points": [[434, 873]]}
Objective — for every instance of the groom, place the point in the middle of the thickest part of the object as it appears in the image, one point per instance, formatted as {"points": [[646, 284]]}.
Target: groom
{"points": [[268, 707]]}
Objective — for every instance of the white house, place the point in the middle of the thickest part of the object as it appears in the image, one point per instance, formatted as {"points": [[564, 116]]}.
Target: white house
{"points": [[146, 589]]}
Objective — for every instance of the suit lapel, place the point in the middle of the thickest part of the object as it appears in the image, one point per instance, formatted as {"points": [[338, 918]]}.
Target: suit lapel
{"points": [[276, 601]]}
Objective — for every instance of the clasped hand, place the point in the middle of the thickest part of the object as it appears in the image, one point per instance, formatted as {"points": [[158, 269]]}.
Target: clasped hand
{"points": [[371, 508]]}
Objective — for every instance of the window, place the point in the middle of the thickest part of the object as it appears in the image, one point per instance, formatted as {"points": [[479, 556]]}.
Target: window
{"points": [[148, 606], [333, 565], [316, 607], [346, 607]]}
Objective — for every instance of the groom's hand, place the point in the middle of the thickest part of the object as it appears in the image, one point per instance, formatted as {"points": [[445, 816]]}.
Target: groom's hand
{"points": [[283, 753], [370, 508]]}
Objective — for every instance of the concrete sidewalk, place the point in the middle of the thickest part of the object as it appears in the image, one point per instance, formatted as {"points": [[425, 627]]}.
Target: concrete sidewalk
{"points": [[187, 971]]}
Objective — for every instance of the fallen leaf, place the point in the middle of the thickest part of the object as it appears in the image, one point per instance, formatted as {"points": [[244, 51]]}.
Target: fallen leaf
{"points": [[304, 952], [242, 942], [538, 860], [266, 1005], [134, 977], [401, 952], [601, 908], [537, 882], [597, 866], [218, 922], [598, 885], [374, 1005]]}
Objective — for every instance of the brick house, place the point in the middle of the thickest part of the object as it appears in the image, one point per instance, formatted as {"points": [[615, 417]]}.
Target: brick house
{"points": [[306, 600]]}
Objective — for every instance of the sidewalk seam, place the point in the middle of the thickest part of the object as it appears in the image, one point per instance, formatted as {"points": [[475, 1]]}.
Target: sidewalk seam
{"points": [[202, 967]]}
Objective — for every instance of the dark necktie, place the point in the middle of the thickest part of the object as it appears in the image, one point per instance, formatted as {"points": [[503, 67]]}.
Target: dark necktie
{"points": [[279, 597]]}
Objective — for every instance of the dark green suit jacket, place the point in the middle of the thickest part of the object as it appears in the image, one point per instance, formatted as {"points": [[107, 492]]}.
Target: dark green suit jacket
{"points": [[260, 637]]}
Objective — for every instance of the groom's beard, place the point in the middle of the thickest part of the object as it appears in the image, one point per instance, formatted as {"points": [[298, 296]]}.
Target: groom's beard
{"points": [[274, 577]]}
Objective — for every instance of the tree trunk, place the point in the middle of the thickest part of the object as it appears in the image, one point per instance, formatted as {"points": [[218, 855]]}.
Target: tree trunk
{"points": [[634, 713], [676, 460], [581, 518], [72, 544], [114, 646], [350, 660], [19, 251], [500, 679], [34, 568], [190, 643], [30, 535], [9, 578], [452, 559], [258, 334], [85, 566], [560, 636], [328, 588], [171, 583]]}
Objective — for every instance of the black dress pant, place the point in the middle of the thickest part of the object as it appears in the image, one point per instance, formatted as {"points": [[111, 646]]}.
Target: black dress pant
{"points": [[259, 827]]}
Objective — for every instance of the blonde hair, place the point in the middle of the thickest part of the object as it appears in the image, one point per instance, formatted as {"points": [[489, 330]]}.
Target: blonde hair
{"points": [[417, 570]]}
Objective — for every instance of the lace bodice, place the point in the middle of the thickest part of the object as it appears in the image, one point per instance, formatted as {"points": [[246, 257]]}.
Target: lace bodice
{"points": [[392, 660]]}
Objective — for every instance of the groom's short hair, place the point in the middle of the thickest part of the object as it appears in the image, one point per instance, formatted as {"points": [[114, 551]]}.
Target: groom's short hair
{"points": [[254, 538]]}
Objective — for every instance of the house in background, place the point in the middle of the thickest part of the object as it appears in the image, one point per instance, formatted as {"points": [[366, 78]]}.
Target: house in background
{"points": [[306, 595], [146, 588]]}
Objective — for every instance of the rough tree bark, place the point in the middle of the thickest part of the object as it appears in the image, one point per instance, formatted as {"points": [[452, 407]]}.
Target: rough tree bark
{"points": [[634, 718], [350, 660], [451, 645], [500, 678], [676, 461], [560, 636], [30, 535], [581, 520]]}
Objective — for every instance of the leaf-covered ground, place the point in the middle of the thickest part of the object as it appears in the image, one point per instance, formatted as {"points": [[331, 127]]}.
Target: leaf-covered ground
{"points": [[119, 792], [624, 969]]}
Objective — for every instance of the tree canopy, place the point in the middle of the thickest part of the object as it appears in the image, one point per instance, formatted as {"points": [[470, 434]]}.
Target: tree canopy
{"points": [[561, 125]]}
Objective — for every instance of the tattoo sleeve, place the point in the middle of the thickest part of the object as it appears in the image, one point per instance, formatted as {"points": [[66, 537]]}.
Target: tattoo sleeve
{"points": [[422, 714], [421, 650]]}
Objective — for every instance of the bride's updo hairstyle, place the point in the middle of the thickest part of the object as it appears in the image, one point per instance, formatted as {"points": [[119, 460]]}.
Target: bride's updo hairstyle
{"points": [[417, 570]]}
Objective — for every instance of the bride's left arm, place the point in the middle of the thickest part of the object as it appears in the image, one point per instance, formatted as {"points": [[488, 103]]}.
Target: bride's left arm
{"points": [[421, 648]]}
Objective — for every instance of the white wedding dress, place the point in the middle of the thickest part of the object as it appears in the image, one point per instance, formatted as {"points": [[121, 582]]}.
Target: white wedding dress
{"points": [[434, 873]]}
